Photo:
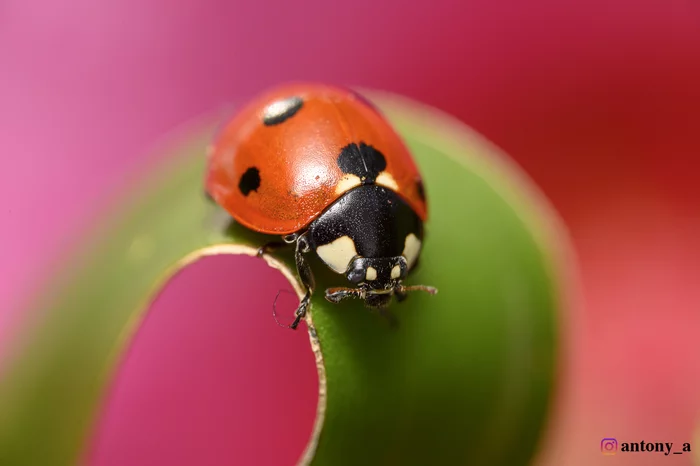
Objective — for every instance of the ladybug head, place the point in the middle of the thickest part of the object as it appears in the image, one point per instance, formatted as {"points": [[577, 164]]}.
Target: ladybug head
{"points": [[377, 279], [381, 273]]}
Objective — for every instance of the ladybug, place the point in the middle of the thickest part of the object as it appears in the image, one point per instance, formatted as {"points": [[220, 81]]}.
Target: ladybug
{"points": [[320, 167]]}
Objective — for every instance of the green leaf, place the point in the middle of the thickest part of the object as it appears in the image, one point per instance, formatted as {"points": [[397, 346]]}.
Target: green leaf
{"points": [[467, 378]]}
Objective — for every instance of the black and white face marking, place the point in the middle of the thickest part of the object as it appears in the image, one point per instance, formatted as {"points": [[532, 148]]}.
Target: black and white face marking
{"points": [[382, 272], [370, 234], [281, 110]]}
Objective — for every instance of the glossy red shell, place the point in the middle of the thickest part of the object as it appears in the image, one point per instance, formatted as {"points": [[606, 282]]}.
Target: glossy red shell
{"points": [[297, 159]]}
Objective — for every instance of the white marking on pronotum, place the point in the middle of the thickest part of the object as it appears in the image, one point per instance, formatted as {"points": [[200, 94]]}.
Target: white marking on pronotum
{"points": [[385, 179], [396, 271], [338, 254], [347, 182], [411, 249], [371, 274]]}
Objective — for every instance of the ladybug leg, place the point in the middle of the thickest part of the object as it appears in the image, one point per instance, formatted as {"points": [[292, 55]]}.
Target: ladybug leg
{"points": [[301, 310], [272, 245], [336, 295], [400, 295], [307, 279], [389, 316], [269, 247]]}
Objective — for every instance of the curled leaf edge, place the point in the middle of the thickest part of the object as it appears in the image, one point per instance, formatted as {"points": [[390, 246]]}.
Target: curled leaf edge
{"points": [[136, 319], [493, 165]]}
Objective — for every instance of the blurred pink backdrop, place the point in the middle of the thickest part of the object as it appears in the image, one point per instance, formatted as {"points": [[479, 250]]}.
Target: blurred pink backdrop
{"points": [[598, 101]]}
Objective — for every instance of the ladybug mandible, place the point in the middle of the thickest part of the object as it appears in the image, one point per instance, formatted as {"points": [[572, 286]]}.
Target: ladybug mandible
{"points": [[322, 168]]}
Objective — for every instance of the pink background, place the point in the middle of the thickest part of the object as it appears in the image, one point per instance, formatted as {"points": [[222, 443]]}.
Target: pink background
{"points": [[597, 101]]}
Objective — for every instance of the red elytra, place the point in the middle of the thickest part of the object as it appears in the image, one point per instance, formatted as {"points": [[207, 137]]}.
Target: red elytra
{"points": [[275, 166]]}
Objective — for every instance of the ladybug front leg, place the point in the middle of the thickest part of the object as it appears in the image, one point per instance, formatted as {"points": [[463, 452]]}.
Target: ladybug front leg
{"points": [[336, 295], [400, 295], [307, 279]]}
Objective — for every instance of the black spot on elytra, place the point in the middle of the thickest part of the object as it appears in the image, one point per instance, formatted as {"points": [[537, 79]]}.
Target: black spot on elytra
{"points": [[420, 189], [250, 181], [362, 160], [281, 110]]}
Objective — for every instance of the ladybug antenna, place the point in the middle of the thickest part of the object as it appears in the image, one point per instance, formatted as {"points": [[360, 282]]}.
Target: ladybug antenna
{"points": [[274, 308], [427, 289]]}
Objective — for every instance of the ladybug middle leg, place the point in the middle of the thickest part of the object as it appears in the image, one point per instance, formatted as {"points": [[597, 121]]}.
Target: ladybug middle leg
{"points": [[270, 247], [273, 245], [307, 278]]}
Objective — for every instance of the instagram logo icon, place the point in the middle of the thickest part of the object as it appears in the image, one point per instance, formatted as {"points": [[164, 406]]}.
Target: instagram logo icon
{"points": [[608, 446]]}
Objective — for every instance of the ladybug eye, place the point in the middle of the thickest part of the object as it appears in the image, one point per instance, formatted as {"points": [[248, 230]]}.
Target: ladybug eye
{"points": [[359, 272], [356, 275]]}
